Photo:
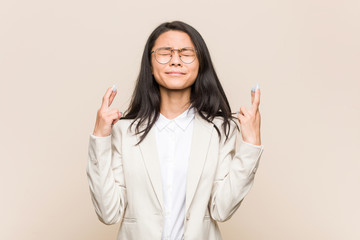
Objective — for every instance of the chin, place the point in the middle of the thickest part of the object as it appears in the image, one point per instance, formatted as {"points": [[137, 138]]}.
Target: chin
{"points": [[176, 83], [175, 87]]}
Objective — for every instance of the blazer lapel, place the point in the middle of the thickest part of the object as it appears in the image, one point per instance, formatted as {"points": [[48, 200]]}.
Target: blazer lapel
{"points": [[150, 157], [202, 132]]}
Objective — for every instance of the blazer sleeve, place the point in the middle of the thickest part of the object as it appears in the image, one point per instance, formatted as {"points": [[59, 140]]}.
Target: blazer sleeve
{"points": [[106, 177], [235, 175]]}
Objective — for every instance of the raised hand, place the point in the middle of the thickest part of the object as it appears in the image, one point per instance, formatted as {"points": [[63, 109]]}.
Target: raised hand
{"points": [[106, 117], [250, 119]]}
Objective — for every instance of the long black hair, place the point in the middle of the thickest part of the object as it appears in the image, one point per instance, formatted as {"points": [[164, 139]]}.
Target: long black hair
{"points": [[207, 94]]}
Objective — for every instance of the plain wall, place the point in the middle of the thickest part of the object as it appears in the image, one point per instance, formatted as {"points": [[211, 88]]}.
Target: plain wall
{"points": [[57, 58]]}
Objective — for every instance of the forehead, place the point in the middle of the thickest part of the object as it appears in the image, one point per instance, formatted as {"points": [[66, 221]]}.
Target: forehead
{"points": [[174, 39]]}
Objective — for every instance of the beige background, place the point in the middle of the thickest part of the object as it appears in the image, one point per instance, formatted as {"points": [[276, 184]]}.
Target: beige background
{"points": [[57, 58]]}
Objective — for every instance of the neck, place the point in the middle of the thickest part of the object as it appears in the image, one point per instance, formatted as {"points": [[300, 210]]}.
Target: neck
{"points": [[174, 102]]}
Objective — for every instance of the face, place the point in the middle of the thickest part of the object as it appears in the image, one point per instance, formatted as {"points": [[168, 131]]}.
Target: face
{"points": [[174, 75]]}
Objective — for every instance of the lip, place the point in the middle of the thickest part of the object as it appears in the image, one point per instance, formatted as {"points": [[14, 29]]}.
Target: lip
{"points": [[173, 73]]}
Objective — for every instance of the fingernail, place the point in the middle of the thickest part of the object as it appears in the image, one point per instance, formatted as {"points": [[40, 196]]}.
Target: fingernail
{"points": [[257, 86], [114, 88], [253, 89]]}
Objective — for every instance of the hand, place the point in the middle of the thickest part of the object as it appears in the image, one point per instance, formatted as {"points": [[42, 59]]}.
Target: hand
{"points": [[250, 120], [106, 117]]}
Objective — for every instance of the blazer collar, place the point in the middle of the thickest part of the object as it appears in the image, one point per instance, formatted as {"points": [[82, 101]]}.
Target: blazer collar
{"points": [[202, 132], [183, 120]]}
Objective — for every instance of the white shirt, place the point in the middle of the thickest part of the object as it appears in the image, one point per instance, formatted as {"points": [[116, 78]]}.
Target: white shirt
{"points": [[173, 139]]}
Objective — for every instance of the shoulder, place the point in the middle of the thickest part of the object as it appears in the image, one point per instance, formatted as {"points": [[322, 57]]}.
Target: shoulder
{"points": [[123, 126], [219, 123]]}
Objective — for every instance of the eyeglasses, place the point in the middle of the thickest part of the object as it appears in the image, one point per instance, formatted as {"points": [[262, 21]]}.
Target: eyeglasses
{"points": [[163, 55]]}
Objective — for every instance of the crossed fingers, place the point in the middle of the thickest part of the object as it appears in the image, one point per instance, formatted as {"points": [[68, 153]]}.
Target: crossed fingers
{"points": [[255, 102]]}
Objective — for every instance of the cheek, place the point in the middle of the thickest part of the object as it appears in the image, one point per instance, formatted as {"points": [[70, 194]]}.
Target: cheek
{"points": [[156, 76], [156, 71], [195, 71]]}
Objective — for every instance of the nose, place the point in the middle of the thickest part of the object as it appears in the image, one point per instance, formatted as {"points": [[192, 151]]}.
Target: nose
{"points": [[175, 59]]}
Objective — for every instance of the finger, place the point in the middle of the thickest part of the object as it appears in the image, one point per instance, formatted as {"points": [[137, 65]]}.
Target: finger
{"points": [[119, 115], [112, 96], [114, 112], [258, 114], [114, 122], [256, 102], [252, 95], [114, 116], [241, 118], [106, 98], [244, 111]]}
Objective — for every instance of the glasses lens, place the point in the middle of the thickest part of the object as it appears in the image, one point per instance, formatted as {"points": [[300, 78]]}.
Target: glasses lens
{"points": [[188, 55], [163, 55]]}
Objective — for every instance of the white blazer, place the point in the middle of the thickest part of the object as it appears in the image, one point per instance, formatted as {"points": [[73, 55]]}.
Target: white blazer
{"points": [[125, 180]]}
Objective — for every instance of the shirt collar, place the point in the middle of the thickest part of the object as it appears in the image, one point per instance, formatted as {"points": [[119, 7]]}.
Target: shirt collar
{"points": [[182, 120]]}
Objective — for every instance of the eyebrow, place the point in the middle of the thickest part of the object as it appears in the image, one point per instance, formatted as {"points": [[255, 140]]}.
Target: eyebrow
{"points": [[173, 48]]}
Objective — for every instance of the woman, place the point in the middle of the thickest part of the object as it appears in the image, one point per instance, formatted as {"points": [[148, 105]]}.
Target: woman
{"points": [[169, 168]]}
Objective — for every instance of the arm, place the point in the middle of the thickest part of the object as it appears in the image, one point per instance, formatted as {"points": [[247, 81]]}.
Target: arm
{"points": [[106, 176], [234, 177]]}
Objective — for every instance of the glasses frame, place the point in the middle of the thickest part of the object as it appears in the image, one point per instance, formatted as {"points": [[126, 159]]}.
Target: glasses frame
{"points": [[172, 50]]}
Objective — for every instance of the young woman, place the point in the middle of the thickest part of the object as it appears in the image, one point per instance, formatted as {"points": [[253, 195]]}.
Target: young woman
{"points": [[169, 168]]}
